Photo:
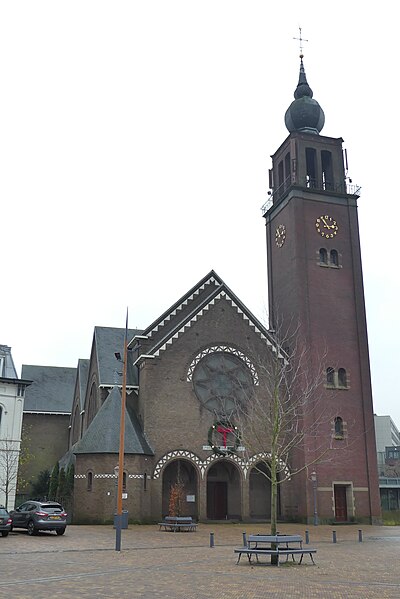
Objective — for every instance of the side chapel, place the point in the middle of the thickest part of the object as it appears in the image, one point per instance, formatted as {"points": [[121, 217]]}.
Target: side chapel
{"points": [[186, 363]]}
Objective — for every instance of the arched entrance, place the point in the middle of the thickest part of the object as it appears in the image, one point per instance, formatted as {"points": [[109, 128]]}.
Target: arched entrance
{"points": [[223, 491], [260, 492], [180, 489]]}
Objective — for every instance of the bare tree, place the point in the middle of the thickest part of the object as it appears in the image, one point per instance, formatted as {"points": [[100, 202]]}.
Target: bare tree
{"points": [[281, 420], [9, 456]]}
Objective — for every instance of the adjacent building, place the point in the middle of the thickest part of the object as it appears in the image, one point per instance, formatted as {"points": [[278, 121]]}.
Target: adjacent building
{"points": [[388, 452], [12, 390]]}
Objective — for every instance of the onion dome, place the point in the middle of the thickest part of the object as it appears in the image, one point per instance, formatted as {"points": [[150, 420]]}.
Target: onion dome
{"points": [[304, 114]]}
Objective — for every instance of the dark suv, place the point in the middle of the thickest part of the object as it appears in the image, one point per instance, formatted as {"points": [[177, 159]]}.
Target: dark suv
{"points": [[40, 515], [5, 522]]}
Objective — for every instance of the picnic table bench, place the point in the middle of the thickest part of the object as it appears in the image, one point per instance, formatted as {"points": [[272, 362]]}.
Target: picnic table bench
{"points": [[178, 523], [275, 545]]}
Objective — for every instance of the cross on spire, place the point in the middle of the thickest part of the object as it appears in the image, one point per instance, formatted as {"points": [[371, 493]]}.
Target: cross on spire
{"points": [[300, 40]]}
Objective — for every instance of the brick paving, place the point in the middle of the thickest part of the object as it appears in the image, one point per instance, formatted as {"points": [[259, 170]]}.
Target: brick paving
{"points": [[153, 564]]}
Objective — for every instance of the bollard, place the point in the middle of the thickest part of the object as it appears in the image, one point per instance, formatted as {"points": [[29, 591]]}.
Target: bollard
{"points": [[333, 536], [307, 538], [211, 539], [244, 540], [360, 536]]}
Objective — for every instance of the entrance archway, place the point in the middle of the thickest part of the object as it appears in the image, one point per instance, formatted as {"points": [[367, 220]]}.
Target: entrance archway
{"points": [[260, 493], [180, 489], [223, 491]]}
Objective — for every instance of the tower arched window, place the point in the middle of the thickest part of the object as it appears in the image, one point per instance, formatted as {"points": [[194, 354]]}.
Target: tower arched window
{"points": [[334, 258], [330, 376], [89, 481], [342, 377], [323, 256], [338, 427]]}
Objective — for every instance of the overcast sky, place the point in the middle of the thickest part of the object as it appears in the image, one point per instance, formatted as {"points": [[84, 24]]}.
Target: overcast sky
{"points": [[135, 143]]}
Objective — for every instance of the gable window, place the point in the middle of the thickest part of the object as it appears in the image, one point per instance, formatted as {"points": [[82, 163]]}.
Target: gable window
{"points": [[339, 428], [145, 482], [89, 481], [124, 482]]}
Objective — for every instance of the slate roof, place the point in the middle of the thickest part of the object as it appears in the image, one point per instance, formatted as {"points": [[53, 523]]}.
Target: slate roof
{"points": [[7, 368], [52, 388], [102, 435], [109, 340], [83, 373]]}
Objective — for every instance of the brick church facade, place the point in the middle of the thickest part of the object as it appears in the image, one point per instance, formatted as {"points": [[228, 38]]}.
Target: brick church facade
{"points": [[187, 369]]}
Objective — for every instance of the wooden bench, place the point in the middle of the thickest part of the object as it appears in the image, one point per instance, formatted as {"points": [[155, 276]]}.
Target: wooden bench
{"points": [[275, 545], [178, 523]]}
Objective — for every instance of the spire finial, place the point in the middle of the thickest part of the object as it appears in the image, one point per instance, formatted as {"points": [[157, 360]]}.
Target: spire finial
{"points": [[300, 40]]}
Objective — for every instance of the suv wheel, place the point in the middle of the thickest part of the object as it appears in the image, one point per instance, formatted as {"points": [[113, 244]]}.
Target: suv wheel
{"points": [[31, 528], [60, 531], [4, 533]]}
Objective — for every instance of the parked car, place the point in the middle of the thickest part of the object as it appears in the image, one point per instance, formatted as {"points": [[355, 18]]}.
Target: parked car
{"points": [[40, 515], [5, 522]]}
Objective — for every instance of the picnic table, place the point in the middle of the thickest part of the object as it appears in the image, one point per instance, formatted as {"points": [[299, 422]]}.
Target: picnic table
{"points": [[276, 545], [178, 524]]}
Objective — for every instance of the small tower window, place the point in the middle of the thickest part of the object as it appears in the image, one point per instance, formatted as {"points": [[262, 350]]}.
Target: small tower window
{"points": [[323, 256], [330, 376], [338, 428], [342, 378], [90, 481], [124, 482], [334, 258], [280, 178], [287, 170], [311, 167], [327, 172]]}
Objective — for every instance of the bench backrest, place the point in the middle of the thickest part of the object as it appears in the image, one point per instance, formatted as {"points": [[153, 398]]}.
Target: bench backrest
{"points": [[179, 519], [274, 539]]}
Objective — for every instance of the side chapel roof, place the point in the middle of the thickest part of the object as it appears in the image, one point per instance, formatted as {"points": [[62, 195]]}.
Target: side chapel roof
{"points": [[102, 435]]}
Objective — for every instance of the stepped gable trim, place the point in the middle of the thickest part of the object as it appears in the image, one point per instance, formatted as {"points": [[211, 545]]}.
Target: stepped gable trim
{"points": [[210, 278], [222, 292]]}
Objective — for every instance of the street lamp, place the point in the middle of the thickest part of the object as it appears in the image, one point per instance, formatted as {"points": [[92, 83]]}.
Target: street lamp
{"points": [[314, 483], [116, 471], [118, 515]]}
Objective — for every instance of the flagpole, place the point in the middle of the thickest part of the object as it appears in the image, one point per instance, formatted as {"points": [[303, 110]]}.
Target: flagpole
{"points": [[118, 523]]}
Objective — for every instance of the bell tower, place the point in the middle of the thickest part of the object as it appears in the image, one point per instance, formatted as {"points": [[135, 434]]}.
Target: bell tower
{"points": [[315, 287]]}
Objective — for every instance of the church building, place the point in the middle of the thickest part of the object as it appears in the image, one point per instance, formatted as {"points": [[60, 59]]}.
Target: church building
{"points": [[193, 374]]}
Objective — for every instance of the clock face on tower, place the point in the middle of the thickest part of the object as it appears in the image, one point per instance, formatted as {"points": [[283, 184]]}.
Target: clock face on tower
{"points": [[280, 235], [326, 226]]}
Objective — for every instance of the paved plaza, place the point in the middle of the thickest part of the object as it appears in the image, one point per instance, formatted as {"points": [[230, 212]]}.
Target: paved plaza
{"points": [[153, 564]]}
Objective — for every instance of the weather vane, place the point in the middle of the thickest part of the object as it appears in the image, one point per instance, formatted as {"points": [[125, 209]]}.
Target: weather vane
{"points": [[300, 40]]}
